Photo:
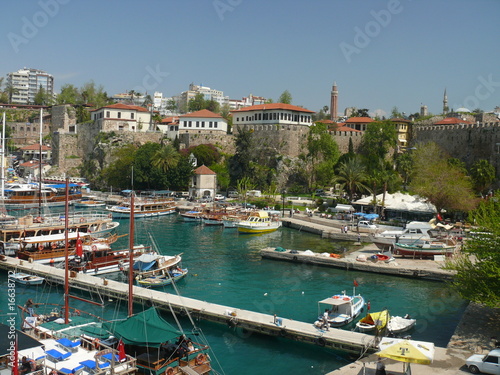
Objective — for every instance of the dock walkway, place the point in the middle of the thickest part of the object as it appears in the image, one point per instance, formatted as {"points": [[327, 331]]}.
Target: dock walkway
{"points": [[352, 342]]}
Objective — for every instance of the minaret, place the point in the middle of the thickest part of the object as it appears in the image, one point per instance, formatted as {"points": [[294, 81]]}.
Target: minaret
{"points": [[445, 103], [334, 103]]}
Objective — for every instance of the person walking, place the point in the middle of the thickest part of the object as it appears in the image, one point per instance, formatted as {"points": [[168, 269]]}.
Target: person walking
{"points": [[380, 367]]}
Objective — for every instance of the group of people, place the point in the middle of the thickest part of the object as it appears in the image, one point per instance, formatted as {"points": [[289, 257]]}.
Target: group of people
{"points": [[180, 349], [27, 365]]}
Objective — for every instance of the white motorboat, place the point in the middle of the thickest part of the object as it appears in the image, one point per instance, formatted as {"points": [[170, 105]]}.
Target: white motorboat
{"points": [[341, 309], [398, 324]]}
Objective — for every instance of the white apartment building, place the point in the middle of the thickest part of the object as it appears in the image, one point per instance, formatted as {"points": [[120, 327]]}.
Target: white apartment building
{"points": [[207, 92], [27, 82], [271, 114], [247, 101], [122, 117]]}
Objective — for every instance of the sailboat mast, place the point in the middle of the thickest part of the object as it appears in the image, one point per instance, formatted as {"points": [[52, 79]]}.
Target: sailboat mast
{"points": [[2, 187], [66, 254], [40, 166], [131, 257]]}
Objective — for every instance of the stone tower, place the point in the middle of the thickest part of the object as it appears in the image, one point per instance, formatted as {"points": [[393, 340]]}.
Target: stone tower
{"points": [[445, 103], [423, 111], [334, 103]]}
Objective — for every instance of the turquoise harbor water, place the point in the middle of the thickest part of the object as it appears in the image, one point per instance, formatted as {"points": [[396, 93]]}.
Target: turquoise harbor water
{"points": [[226, 268]]}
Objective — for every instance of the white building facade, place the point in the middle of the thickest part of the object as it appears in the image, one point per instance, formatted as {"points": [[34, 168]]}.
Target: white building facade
{"points": [[27, 82], [272, 114], [122, 117]]}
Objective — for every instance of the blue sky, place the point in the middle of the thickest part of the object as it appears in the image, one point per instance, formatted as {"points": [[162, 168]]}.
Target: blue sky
{"points": [[382, 54]]}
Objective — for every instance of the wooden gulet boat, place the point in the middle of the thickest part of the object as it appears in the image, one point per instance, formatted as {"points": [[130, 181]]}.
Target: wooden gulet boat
{"points": [[145, 207], [258, 222], [426, 249]]}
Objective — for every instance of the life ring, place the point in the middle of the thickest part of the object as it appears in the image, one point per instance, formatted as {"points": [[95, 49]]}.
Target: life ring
{"points": [[283, 332], [40, 247], [94, 248], [169, 371], [346, 298], [95, 343], [53, 246], [320, 341], [200, 359], [336, 297], [82, 220]]}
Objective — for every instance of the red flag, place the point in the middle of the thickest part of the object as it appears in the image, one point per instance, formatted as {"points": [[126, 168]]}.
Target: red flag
{"points": [[15, 363], [356, 283], [439, 217], [368, 306], [79, 245], [121, 351]]}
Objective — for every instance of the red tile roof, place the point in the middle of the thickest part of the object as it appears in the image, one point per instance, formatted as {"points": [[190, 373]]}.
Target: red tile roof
{"points": [[399, 120], [202, 113], [452, 121], [123, 106], [344, 128], [358, 120], [326, 121], [36, 147], [170, 120], [269, 106], [203, 170]]}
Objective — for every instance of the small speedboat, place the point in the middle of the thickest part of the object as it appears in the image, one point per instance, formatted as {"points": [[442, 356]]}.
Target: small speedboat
{"points": [[26, 279]]}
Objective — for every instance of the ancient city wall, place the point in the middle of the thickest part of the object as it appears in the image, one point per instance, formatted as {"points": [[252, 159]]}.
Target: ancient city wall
{"points": [[468, 143], [224, 142], [342, 139]]}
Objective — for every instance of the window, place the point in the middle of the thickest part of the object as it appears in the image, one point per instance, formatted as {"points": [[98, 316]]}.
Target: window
{"points": [[190, 124], [197, 124], [132, 115], [215, 124], [119, 115], [203, 124], [107, 114], [491, 359], [210, 124]]}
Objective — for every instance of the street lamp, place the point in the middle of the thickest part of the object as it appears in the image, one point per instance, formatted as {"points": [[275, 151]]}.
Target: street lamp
{"points": [[283, 192]]}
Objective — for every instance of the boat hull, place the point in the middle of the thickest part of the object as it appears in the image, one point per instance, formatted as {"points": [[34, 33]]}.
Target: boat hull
{"points": [[417, 251], [26, 279]]}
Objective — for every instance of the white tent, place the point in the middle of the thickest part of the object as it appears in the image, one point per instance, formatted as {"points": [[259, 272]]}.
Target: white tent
{"points": [[400, 202], [341, 208]]}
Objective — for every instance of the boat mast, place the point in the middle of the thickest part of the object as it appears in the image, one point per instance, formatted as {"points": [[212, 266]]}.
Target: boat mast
{"points": [[40, 166], [2, 196], [131, 258], [66, 251]]}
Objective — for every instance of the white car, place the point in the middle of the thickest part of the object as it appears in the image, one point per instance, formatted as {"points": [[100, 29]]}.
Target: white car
{"points": [[219, 197], [365, 224], [487, 364]]}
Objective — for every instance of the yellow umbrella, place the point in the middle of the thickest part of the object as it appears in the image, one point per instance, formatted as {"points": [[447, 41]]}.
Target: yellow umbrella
{"points": [[410, 351]]}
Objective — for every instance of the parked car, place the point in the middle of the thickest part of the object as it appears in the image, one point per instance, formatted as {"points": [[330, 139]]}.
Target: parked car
{"points": [[232, 194], [365, 224], [219, 197], [206, 199], [487, 364]]}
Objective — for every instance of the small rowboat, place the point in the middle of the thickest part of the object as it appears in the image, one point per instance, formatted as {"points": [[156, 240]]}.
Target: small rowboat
{"points": [[26, 279], [162, 280]]}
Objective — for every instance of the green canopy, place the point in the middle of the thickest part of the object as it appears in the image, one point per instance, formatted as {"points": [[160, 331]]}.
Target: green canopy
{"points": [[147, 328]]}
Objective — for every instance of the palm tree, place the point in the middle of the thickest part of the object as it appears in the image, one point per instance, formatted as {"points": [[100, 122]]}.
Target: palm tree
{"points": [[352, 176], [166, 158]]}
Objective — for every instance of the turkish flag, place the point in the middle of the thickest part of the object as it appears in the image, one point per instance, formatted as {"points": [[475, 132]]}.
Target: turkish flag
{"points": [[15, 363], [356, 283], [121, 351], [79, 245]]}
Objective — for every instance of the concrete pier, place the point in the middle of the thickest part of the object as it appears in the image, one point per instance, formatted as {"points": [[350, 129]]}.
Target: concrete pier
{"points": [[348, 341]]}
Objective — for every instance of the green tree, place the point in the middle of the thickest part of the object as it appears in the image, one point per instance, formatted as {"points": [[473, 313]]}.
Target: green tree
{"points": [[42, 97], [323, 154], [379, 138], [178, 177], [119, 172], [171, 105], [483, 175], [478, 268], [165, 158], [206, 154], [404, 166], [363, 112], [197, 103], [240, 162], [212, 105], [352, 176], [223, 179], [146, 174], [395, 113], [69, 95], [4, 96], [440, 182], [285, 97]]}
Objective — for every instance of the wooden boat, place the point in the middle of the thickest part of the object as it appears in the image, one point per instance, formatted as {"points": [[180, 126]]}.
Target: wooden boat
{"points": [[89, 202], [192, 216], [213, 219], [372, 321], [426, 249], [21, 196], [97, 224], [341, 309], [258, 222], [162, 280], [144, 207], [415, 232], [26, 279], [99, 259], [160, 348]]}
